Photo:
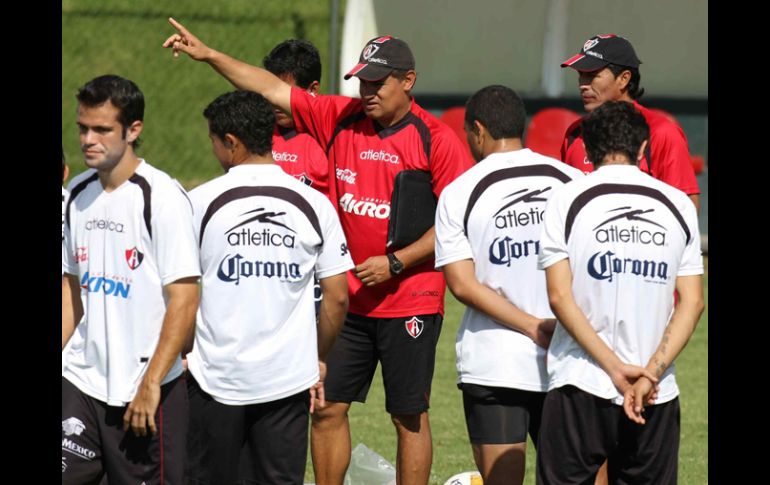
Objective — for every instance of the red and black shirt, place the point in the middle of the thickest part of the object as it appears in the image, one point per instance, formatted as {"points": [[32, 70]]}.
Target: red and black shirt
{"points": [[364, 159], [299, 155], [667, 157]]}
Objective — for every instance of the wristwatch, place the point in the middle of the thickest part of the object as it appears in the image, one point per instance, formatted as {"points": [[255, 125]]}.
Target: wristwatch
{"points": [[396, 266]]}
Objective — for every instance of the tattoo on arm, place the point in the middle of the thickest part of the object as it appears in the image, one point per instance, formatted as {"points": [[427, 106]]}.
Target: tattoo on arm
{"points": [[660, 367]]}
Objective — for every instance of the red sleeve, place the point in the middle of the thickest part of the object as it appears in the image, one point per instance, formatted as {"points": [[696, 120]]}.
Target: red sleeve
{"points": [[448, 159], [318, 115], [318, 167], [671, 161]]}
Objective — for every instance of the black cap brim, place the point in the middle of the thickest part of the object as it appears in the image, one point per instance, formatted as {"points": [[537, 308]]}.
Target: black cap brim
{"points": [[582, 62], [369, 72]]}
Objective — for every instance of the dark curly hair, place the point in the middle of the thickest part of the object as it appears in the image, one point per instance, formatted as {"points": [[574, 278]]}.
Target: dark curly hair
{"points": [[246, 115], [614, 127]]}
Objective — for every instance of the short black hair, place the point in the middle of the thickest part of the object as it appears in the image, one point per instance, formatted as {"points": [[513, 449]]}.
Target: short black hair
{"points": [[614, 127], [499, 109], [121, 92], [63, 163], [634, 89], [299, 58], [246, 115]]}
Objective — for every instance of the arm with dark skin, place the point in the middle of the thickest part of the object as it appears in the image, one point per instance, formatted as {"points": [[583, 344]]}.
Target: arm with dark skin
{"points": [[178, 323], [334, 306], [461, 279], [241, 75]]}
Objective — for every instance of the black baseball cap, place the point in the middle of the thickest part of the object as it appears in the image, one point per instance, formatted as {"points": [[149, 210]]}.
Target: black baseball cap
{"points": [[380, 57], [600, 50]]}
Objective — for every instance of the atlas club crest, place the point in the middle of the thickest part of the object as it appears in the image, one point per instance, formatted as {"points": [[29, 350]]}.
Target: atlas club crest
{"points": [[370, 50], [134, 258], [414, 327]]}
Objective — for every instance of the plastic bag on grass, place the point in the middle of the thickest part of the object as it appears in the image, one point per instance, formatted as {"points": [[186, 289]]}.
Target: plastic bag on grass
{"points": [[369, 468]]}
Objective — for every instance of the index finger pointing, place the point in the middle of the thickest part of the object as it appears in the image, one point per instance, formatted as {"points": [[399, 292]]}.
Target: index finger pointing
{"points": [[178, 26]]}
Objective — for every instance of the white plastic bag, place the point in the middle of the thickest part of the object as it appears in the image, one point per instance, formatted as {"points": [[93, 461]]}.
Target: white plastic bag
{"points": [[369, 468]]}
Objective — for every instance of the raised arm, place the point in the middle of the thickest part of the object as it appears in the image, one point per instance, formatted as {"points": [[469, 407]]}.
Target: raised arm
{"points": [[182, 297], [461, 279], [241, 75]]}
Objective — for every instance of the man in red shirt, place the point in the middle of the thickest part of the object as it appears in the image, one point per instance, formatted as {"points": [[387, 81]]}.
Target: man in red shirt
{"points": [[608, 70], [298, 63], [396, 297]]}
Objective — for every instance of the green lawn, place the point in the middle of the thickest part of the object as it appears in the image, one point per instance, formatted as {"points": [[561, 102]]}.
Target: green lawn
{"points": [[124, 37], [371, 426]]}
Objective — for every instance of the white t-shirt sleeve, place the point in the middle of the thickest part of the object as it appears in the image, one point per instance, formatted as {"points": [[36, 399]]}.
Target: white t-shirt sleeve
{"points": [[198, 201], [173, 236], [553, 242], [334, 257], [68, 264], [452, 244], [692, 259]]}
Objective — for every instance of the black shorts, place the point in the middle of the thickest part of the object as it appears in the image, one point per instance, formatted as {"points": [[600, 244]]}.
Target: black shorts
{"points": [[580, 430], [254, 443], [406, 346], [94, 443], [501, 415]]}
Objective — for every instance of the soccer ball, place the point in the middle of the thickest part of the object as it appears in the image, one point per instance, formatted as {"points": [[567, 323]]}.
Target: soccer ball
{"points": [[465, 478]]}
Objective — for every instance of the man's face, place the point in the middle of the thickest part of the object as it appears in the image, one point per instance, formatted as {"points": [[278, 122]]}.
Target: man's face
{"points": [[103, 139], [382, 99], [597, 87]]}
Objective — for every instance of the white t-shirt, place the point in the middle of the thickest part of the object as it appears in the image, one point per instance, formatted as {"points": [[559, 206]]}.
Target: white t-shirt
{"points": [[492, 214], [124, 246], [263, 236], [628, 237]]}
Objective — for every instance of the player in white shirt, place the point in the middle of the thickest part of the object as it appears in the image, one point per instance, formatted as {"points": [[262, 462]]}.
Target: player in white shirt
{"points": [[263, 237], [615, 246], [487, 241], [131, 255]]}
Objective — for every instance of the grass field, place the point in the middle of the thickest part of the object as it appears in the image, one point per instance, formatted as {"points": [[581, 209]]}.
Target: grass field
{"points": [[451, 452], [124, 37]]}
